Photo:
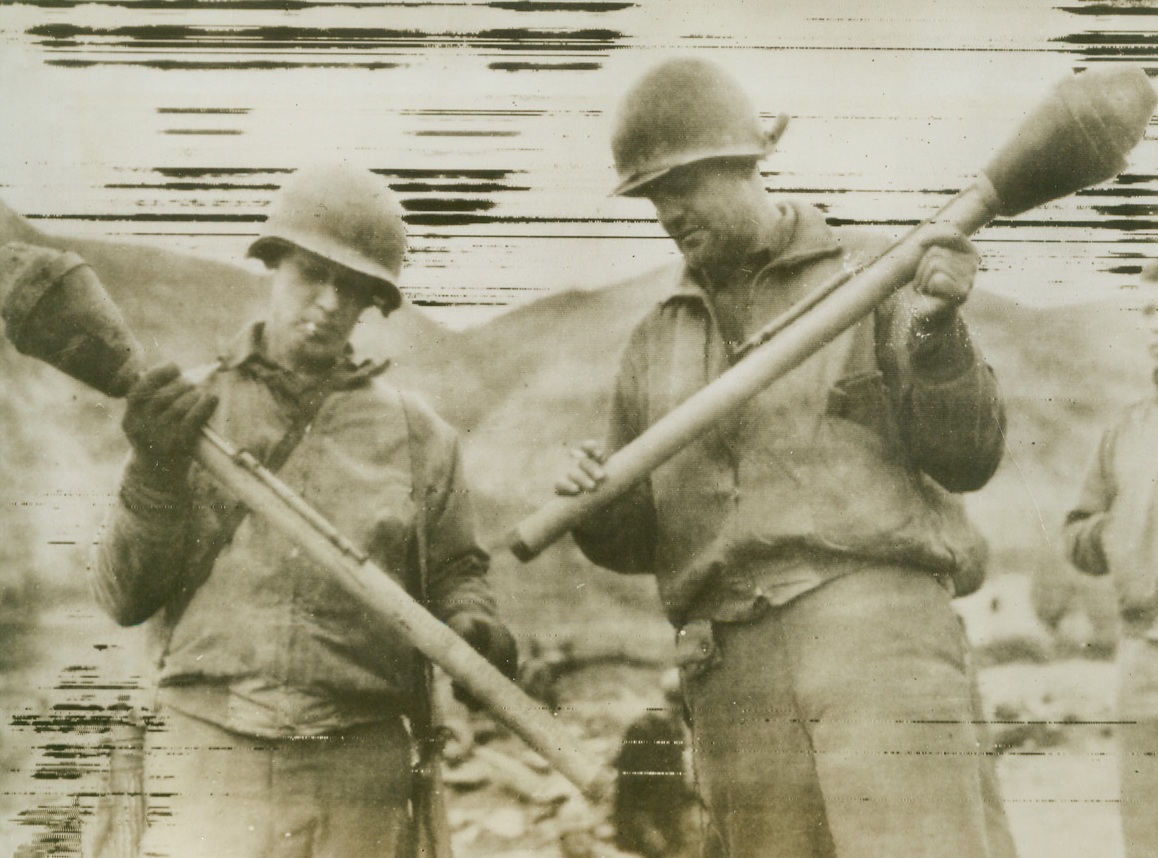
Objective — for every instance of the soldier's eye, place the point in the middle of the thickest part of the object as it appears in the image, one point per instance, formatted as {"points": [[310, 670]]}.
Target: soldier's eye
{"points": [[316, 271], [361, 289]]}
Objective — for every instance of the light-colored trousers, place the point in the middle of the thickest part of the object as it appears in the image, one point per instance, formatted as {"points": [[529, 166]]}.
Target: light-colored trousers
{"points": [[846, 723], [1137, 736], [215, 793]]}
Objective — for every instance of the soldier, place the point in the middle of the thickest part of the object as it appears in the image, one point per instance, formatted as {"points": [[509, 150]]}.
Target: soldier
{"points": [[1111, 532], [808, 547], [279, 727]]}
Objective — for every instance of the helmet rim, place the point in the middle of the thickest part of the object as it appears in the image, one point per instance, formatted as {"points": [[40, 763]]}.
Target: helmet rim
{"points": [[389, 293], [634, 185]]}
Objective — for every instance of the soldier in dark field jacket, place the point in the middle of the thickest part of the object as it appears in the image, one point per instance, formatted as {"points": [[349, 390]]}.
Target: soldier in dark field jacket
{"points": [[807, 548]]}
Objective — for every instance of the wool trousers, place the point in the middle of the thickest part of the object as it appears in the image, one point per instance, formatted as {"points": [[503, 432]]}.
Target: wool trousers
{"points": [[846, 723], [1137, 739], [215, 792]]}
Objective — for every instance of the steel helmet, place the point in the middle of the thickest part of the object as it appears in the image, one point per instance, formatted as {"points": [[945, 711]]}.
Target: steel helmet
{"points": [[347, 215], [682, 111]]}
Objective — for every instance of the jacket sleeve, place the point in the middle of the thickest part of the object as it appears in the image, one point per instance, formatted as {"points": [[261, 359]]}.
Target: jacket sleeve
{"points": [[950, 410], [456, 562], [141, 555], [1085, 522], [621, 536]]}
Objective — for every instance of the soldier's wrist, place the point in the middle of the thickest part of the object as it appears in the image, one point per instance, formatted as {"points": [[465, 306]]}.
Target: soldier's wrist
{"points": [[155, 490], [941, 349]]}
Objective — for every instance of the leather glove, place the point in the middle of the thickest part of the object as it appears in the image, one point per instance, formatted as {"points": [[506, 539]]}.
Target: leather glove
{"points": [[164, 414], [490, 639]]}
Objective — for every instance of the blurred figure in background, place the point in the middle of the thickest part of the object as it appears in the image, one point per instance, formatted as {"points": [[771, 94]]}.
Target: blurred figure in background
{"points": [[656, 811], [280, 722], [1113, 530]]}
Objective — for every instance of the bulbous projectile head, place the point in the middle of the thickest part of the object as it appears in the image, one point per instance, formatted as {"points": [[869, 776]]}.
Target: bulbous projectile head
{"points": [[55, 309], [1077, 137]]}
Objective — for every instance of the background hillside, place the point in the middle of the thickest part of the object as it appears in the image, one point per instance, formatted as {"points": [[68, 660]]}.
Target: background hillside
{"points": [[524, 387], [521, 389]]}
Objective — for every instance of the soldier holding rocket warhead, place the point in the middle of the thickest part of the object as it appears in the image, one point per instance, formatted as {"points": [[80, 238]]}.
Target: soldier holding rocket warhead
{"points": [[282, 704]]}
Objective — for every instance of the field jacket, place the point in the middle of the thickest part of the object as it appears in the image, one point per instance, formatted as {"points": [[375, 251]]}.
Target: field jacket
{"points": [[851, 459], [259, 639], [1113, 529]]}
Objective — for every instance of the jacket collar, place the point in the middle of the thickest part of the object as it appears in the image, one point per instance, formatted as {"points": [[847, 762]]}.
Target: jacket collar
{"points": [[809, 238], [249, 354]]}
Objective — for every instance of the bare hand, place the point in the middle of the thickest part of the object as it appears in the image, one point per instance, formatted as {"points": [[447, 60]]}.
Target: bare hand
{"points": [[587, 473], [164, 415], [944, 276]]}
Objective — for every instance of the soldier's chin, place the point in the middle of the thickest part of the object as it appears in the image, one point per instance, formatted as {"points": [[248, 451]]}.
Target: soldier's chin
{"points": [[312, 353]]}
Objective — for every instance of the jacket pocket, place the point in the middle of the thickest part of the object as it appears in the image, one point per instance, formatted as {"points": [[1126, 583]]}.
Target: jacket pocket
{"points": [[862, 399]]}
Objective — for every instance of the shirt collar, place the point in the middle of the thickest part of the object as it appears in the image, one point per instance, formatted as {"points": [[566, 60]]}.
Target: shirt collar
{"points": [[809, 238], [249, 352]]}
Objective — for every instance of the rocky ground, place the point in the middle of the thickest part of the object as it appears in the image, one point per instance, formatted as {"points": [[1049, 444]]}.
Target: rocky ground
{"points": [[1058, 765], [1051, 718]]}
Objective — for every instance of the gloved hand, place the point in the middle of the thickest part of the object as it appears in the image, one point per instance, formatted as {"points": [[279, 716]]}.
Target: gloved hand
{"points": [[944, 276], [490, 639], [165, 412]]}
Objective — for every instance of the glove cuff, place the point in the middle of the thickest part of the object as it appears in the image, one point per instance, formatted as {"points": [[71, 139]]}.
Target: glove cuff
{"points": [[490, 638], [154, 492]]}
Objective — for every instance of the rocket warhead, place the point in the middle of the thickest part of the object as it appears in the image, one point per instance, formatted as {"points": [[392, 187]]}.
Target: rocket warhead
{"points": [[56, 309]]}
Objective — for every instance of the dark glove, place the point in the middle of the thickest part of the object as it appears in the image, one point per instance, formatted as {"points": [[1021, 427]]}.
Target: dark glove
{"points": [[164, 415], [492, 641]]}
